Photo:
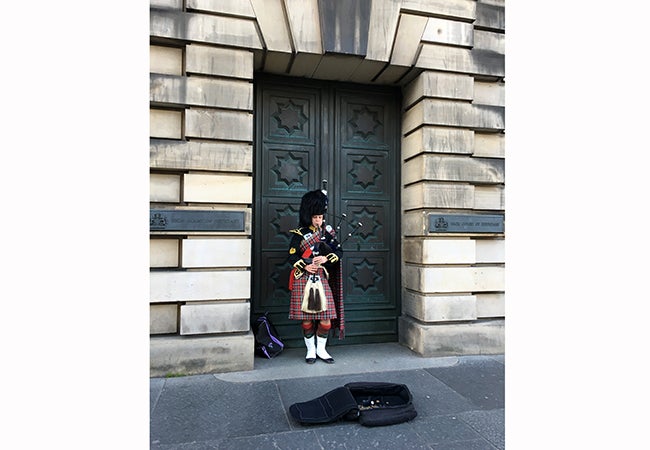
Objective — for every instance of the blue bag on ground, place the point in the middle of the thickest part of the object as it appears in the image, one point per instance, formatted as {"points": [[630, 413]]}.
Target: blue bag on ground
{"points": [[267, 340]]}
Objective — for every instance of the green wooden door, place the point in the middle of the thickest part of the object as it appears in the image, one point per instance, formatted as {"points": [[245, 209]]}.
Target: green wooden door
{"points": [[307, 132]]}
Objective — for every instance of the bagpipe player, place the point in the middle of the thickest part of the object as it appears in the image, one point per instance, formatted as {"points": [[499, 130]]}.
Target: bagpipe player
{"points": [[316, 277]]}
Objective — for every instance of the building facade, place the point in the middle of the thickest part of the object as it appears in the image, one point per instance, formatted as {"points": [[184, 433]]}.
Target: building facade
{"points": [[396, 106]]}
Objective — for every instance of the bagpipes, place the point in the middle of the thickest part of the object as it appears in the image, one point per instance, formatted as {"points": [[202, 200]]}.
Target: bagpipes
{"points": [[341, 218], [355, 227]]}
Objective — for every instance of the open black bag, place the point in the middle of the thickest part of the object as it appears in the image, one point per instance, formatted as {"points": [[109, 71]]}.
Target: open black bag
{"points": [[370, 403]]}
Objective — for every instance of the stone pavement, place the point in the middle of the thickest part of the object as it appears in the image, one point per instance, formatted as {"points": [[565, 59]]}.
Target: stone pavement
{"points": [[459, 399]]}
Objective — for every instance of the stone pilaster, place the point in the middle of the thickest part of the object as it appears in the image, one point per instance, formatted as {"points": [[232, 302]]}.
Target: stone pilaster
{"points": [[201, 98], [452, 162]]}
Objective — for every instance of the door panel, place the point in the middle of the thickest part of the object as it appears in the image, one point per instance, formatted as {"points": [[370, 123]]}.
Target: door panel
{"points": [[363, 173], [287, 167], [309, 131], [290, 116], [364, 120]]}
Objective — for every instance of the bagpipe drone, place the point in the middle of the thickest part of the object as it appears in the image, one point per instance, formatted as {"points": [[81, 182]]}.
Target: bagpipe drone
{"points": [[353, 227]]}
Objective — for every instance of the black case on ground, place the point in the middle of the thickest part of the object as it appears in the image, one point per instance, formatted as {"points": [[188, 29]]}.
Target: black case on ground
{"points": [[370, 403]]}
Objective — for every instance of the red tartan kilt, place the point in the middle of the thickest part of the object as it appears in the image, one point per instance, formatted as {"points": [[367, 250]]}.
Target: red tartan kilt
{"points": [[296, 313]]}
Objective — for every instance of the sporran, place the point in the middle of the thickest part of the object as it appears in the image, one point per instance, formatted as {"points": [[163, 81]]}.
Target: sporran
{"points": [[314, 299]]}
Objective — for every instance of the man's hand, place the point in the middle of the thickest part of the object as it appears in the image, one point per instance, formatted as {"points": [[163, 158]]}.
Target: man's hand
{"points": [[315, 264], [320, 260]]}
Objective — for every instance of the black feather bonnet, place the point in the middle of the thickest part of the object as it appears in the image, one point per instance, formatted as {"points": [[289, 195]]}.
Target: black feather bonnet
{"points": [[313, 203]]}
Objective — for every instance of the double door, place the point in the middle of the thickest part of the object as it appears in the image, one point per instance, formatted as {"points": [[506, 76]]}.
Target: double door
{"points": [[348, 135]]}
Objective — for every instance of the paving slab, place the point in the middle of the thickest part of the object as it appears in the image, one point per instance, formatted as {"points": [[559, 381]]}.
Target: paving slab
{"points": [[352, 436], [489, 424], [476, 444], [480, 379], [445, 429], [155, 389], [296, 440], [203, 408]]}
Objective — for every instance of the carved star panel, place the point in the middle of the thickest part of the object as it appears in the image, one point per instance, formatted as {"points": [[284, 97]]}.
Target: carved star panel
{"points": [[366, 277], [287, 171], [373, 234], [364, 125], [366, 173], [290, 118]]}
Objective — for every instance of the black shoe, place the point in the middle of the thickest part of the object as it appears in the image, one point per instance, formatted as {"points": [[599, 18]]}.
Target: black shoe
{"points": [[310, 360], [328, 360]]}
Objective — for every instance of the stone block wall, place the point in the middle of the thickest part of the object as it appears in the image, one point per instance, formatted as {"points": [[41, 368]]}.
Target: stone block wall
{"points": [[201, 159], [453, 284]]}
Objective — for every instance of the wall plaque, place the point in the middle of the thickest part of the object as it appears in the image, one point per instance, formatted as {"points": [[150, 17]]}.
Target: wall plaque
{"points": [[189, 220], [466, 223]]}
